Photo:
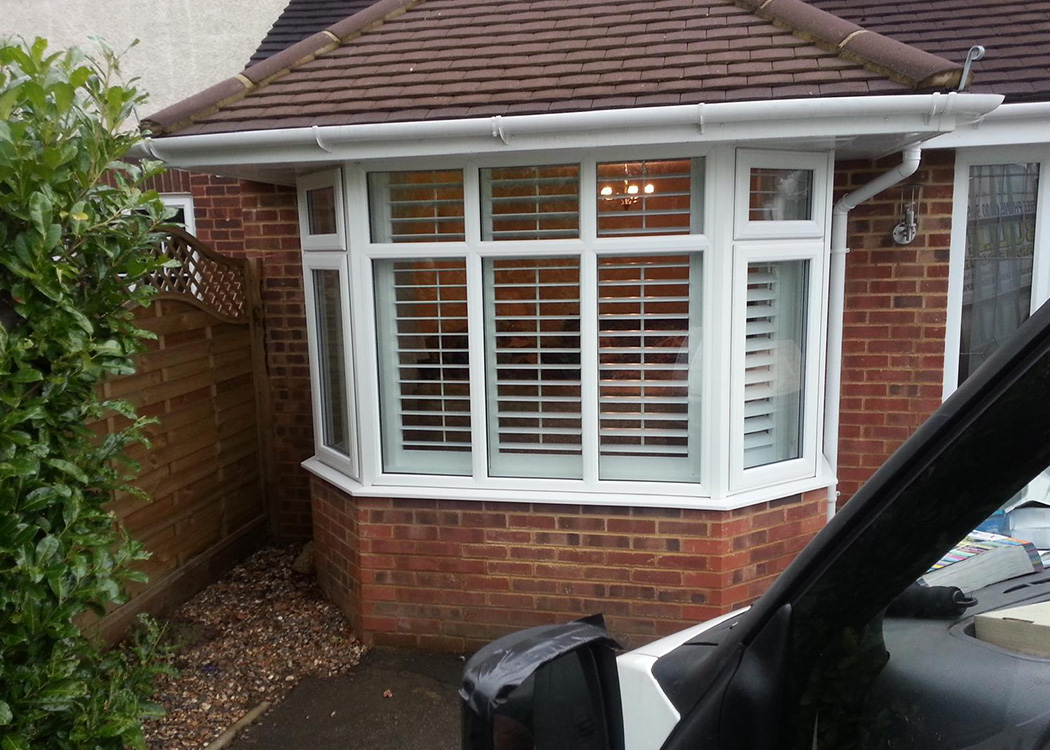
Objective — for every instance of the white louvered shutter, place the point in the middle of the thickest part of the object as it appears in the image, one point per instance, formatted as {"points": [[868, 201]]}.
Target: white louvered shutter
{"points": [[667, 197], [530, 203], [424, 360], [416, 206], [649, 343], [532, 347], [774, 321]]}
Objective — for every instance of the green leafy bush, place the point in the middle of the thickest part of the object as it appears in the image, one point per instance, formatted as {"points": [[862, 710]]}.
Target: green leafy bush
{"points": [[76, 232]]}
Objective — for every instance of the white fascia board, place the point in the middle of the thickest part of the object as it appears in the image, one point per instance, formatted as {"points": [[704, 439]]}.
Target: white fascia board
{"points": [[791, 119], [1008, 125]]}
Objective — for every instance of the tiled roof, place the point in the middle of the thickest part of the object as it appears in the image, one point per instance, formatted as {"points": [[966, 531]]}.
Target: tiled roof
{"points": [[303, 18], [401, 60], [1015, 35]]}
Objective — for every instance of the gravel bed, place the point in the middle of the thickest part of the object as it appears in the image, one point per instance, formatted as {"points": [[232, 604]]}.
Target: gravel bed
{"points": [[249, 637]]}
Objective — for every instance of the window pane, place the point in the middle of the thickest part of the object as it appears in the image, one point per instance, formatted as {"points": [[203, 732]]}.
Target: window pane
{"points": [[773, 361], [650, 197], [421, 311], [530, 203], [649, 368], [532, 348], [331, 359], [320, 208], [1000, 245], [416, 206], [781, 195]]}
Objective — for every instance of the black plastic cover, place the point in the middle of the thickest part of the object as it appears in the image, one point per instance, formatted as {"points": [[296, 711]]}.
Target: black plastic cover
{"points": [[495, 671]]}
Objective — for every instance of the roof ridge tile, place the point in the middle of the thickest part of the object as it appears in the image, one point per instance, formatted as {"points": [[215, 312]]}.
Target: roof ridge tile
{"points": [[898, 61], [187, 111]]}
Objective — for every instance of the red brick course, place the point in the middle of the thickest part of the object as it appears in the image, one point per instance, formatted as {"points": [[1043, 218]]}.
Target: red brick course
{"points": [[896, 309], [455, 574]]}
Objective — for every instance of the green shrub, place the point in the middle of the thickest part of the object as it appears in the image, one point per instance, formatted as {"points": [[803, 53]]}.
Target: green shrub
{"points": [[76, 233]]}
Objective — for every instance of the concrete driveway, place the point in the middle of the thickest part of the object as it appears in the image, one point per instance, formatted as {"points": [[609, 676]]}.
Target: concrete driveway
{"points": [[350, 712]]}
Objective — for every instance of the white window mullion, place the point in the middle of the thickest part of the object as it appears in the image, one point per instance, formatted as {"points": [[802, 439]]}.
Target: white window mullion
{"points": [[589, 364], [477, 313], [1041, 267]]}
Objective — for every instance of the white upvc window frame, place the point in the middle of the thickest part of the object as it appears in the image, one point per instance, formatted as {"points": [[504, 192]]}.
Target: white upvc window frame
{"points": [[319, 180], [979, 156], [718, 488], [806, 464], [337, 262], [748, 159], [182, 201]]}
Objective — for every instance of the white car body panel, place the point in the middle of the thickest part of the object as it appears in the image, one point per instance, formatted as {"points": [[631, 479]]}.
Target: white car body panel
{"points": [[648, 714]]}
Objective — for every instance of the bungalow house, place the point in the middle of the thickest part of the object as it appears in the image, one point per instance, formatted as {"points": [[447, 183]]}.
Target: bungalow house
{"points": [[597, 307]]}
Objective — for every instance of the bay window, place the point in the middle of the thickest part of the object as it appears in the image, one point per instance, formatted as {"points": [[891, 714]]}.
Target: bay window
{"points": [[592, 327]]}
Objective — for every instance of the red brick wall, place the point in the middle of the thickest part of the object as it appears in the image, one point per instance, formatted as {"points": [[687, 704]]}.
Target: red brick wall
{"points": [[453, 575], [250, 219], [896, 303]]}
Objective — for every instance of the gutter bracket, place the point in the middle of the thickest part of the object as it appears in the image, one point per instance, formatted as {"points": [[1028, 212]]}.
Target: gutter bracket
{"points": [[320, 143], [700, 117], [497, 130], [934, 101]]}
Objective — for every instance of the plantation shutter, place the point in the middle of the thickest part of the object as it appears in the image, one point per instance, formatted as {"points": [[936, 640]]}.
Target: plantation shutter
{"points": [[424, 357], [530, 203], [773, 375], [649, 336], [416, 206], [650, 197], [532, 349]]}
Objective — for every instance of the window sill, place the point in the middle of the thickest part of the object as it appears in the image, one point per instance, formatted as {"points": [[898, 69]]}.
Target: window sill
{"points": [[731, 502]]}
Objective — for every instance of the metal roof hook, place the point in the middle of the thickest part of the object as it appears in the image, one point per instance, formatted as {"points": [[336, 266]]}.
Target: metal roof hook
{"points": [[497, 130], [975, 53]]}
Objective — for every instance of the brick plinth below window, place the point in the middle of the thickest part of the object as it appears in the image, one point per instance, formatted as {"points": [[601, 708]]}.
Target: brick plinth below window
{"points": [[453, 575]]}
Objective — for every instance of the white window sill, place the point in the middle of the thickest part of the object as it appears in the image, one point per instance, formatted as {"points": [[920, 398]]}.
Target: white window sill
{"points": [[341, 481]]}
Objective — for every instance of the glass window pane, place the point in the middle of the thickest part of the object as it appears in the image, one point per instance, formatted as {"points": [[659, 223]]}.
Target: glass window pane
{"points": [[416, 206], [320, 210], [781, 195], [774, 358], [424, 390], [650, 197], [649, 367], [1000, 247], [331, 360], [530, 203], [532, 349]]}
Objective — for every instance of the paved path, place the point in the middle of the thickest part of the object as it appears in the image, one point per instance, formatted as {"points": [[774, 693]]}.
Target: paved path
{"points": [[350, 712]]}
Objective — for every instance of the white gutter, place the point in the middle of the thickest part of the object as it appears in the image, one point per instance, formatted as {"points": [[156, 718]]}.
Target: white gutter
{"points": [[790, 118], [836, 304], [1009, 125]]}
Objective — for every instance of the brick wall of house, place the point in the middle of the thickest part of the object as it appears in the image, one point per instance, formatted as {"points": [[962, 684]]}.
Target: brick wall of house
{"points": [[896, 309], [250, 219], [453, 575]]}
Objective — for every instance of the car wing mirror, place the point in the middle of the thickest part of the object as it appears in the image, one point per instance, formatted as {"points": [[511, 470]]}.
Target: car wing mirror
{"points": [[551, 687]]}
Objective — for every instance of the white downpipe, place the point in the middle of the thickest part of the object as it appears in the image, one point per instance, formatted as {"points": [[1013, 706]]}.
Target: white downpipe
{"points": [[706, 117], [837, 299]]}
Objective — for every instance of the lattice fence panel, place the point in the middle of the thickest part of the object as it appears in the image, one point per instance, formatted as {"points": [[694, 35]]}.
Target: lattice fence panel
{"points": [[210, 280]]}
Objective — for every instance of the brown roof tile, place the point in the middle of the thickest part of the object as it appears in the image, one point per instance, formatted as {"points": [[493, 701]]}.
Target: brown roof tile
{"points": [[1011, 31], [400, 60]]}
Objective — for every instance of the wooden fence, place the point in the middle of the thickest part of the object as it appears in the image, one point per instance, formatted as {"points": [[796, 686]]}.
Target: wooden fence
{"points": [[209, 469]]}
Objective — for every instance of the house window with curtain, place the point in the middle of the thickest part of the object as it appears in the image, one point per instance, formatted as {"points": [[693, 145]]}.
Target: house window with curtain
{"points": [[1000, 253], [547, 327]]}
